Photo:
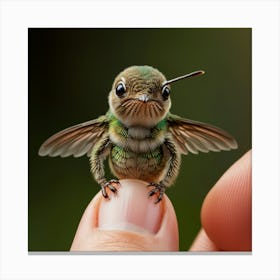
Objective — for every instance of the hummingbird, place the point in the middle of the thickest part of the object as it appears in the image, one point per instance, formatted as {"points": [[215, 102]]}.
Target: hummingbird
{"points": [[139, 135]]}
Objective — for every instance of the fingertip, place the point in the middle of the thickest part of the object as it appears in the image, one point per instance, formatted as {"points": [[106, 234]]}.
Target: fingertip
{"points": [[130, 208], [226, 213], [129, 221]]}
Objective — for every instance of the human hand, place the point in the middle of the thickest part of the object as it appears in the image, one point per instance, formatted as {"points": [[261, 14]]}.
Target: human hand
{"points": [[131, 222]]}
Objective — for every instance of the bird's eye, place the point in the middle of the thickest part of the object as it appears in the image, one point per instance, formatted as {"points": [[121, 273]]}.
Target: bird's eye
{"points": [[165, 92], [120, 89]]}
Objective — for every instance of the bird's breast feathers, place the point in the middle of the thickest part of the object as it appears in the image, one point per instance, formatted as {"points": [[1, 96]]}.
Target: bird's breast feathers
{"points": [[136, 139]]}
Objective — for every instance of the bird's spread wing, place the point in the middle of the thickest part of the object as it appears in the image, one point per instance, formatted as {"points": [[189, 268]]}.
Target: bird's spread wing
{"points": [[194, 137], [76, 140]]}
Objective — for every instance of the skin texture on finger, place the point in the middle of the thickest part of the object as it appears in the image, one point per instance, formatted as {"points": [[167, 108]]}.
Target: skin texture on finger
{"points": [[226, 213], [129, 221]]}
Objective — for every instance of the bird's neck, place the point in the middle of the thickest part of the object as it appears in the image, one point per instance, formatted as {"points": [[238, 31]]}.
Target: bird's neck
{"points": [[137, 132]]}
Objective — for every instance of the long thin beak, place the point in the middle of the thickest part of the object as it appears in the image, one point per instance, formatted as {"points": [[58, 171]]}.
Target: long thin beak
{"points": [[192, 74]]}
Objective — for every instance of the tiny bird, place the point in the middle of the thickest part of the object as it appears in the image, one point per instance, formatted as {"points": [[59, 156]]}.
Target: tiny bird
{"points": [[142, 139]]}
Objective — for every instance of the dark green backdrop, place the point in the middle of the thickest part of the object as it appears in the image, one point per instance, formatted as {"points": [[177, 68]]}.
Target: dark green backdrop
{"points": [[70, 72]]}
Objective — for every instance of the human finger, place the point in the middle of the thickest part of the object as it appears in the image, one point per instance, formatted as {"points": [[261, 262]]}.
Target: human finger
{"points": [[226, 214], [129, 221]]}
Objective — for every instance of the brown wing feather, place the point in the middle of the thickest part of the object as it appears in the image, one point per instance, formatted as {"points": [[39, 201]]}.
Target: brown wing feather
{"points": [[76, 140], [192, 136]]}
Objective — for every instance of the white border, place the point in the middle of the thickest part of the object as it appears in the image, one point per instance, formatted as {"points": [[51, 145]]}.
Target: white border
{"points": [[17, 16]]}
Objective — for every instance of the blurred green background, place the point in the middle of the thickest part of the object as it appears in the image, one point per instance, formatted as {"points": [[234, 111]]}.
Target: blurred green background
{"points": [[70, 73]]}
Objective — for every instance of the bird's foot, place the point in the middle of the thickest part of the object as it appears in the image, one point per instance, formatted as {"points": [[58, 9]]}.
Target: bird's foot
{"points": [[158, 189], [110, 186]]}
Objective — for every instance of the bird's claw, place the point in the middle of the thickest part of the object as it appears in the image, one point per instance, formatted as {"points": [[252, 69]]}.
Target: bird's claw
{"points": [[158, 189], [110, 187]]}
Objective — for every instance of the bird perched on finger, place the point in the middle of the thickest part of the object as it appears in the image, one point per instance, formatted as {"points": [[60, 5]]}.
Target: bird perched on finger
{"points": [[138, 134]]}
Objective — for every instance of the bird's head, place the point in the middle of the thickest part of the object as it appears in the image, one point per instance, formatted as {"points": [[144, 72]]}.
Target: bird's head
{"points": [[139, 96]]}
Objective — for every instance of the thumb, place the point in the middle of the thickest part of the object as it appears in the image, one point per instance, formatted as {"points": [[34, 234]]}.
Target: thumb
{"points": [[129, 221]]}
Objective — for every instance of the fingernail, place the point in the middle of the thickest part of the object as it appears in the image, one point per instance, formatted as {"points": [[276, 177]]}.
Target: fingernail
{"points": [[131, 209]]}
